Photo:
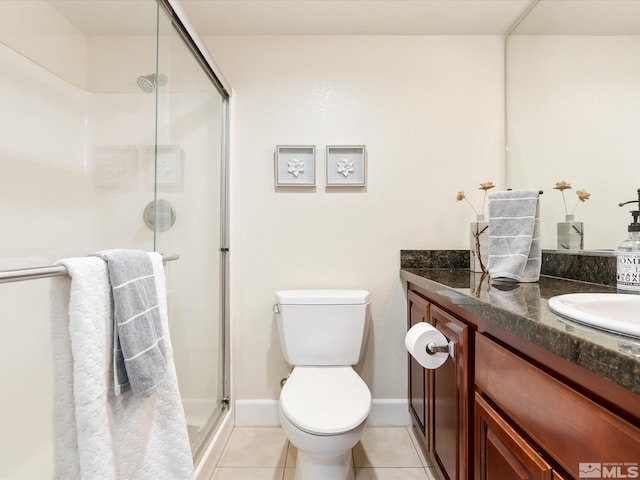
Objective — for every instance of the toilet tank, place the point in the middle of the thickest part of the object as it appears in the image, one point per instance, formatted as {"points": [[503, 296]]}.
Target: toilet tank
{"points": [[322, 327]]}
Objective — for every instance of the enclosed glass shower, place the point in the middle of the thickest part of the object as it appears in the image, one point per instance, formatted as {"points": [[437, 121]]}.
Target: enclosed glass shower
{"points": [[114, 135]]}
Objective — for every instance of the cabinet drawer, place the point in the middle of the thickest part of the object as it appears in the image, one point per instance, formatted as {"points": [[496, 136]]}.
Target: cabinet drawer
{"points": [[566, 424]]}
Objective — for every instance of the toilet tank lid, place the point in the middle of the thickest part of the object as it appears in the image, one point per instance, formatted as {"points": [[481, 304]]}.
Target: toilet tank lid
{"points": [[322, 297]]}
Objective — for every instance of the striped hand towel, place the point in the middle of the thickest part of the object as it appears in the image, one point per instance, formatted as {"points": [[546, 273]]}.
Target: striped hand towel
{"points": [[139, 358], [514, 236]]}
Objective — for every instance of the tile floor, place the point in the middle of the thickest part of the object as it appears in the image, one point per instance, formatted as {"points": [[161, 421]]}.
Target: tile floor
{"points": [[384, 453]]}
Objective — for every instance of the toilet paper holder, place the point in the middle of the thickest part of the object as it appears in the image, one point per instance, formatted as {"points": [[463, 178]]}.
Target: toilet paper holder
{"points": [[432, 348]]}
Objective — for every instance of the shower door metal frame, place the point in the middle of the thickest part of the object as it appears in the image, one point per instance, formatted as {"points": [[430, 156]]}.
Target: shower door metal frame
{"points": [[187, 32]]}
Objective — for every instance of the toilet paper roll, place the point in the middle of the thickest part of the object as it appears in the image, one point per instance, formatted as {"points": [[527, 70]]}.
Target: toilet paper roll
{"points": [[416, 341]]}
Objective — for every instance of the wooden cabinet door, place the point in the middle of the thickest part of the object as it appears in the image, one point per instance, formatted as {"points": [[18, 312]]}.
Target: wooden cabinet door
{"points": [[502, 454], [418, 309], [449, 402], [567, 425]]}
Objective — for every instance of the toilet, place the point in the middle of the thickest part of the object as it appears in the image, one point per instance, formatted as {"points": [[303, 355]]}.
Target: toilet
{"points": [[324, 404]]}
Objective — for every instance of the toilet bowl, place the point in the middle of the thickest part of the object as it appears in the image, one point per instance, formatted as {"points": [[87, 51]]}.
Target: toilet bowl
{"points": [[323, 411], [324, 404]]}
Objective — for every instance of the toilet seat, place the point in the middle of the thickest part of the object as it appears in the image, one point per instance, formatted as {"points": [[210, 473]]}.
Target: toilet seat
{"points": [[325, 400]]}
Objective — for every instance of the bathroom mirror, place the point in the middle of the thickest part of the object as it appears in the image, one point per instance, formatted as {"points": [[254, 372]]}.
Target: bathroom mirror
{"points": [[573, 113]]}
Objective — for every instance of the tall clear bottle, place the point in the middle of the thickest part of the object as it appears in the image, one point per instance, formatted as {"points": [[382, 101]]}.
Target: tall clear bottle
{"points": [[628, 256]]}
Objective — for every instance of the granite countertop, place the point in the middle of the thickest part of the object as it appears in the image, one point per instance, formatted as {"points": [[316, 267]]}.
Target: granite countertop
{"points": [[522, 309]]}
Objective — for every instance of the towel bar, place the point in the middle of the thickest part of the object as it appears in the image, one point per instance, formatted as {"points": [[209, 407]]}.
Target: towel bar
{"points": [[540, 192], [7, 276]]}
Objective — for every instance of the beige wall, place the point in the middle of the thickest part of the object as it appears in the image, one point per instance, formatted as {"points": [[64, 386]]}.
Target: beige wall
{"points": [[573, 116], [429, 110]]}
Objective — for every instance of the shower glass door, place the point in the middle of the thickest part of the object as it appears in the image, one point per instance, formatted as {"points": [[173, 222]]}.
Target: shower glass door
{"points": [[112, 137], [189, 183]]}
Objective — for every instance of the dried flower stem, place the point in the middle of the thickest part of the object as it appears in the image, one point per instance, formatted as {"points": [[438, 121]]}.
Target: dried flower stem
{"points": [[583, 195], [483, 186], [484, 201], [574, 207], [472, 207], [564, 200]]}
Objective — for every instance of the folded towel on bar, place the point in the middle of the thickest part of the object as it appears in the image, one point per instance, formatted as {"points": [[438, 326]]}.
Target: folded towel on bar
{"points": [[514, 236], [138, 346], [98, 434]]}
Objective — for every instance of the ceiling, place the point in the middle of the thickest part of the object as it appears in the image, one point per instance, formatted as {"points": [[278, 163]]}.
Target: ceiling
{"points": [[303, 17], [361, 17], [583, 17], [355, 17]]}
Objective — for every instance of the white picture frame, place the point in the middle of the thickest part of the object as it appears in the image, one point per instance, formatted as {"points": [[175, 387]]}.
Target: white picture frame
{"points": [[169, 169], [115, 166], [346, 165], [295, 166]]}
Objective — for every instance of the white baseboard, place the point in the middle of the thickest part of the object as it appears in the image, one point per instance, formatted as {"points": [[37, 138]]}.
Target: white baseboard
{"points": [[385, 412], [389, 412], [257, 413]]}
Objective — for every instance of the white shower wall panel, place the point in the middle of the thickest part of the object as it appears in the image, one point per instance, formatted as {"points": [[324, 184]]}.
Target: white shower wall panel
{"points": [[121, 124], [42, 160], [52, 207]]}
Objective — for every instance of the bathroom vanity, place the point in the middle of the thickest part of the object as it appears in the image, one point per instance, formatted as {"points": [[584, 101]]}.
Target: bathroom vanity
{"points": [[526, 394]]}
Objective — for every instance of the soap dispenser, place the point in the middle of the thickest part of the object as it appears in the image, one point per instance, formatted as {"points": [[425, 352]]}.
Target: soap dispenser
{"points": [[628, 255]]}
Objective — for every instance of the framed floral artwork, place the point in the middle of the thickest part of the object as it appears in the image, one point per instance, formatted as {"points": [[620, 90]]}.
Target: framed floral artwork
{"points": [[295, 165], [163, 165], [346, 166], [115, 166]]}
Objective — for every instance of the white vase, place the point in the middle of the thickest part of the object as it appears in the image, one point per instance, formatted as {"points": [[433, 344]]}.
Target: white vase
{"points": [[570, 234], [479, 245]]}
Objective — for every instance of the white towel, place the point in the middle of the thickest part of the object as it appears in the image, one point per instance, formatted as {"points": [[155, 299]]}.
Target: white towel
{"points": [[99, 435], [514, 236]]}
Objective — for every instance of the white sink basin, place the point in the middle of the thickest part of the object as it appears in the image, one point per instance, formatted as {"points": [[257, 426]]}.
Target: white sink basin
{"points": [[614, 312]]}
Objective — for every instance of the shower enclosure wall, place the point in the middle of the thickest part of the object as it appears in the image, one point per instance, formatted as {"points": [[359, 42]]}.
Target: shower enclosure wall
{"points": [[113, 136]]}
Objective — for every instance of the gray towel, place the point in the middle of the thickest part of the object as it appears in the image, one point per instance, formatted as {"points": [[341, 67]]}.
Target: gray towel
{"points": [[514, 236], [139, 358], [520, 298]]}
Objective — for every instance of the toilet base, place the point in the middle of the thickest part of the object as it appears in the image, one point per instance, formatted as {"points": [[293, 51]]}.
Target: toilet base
{"points": [[322, 457], [321, 467]]}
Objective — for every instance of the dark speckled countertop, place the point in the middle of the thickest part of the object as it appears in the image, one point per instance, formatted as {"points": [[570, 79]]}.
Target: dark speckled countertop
{"points": [[522, 309]]}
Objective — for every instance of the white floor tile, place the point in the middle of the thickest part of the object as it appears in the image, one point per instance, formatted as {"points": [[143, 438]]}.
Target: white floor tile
{"points": [[384, 453], [386, 447], [412, 434], [255, 447], [391, 474], [292, 456], [248, 473]]}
